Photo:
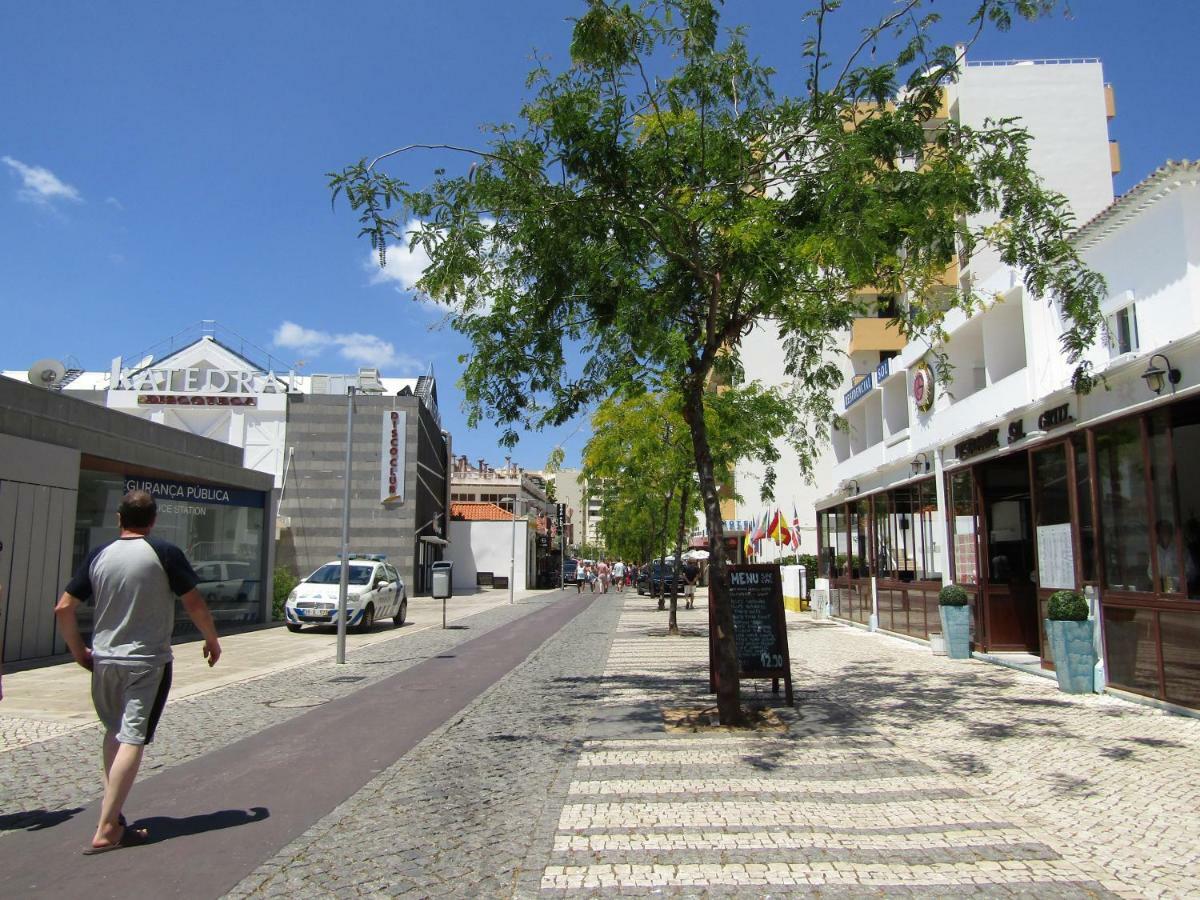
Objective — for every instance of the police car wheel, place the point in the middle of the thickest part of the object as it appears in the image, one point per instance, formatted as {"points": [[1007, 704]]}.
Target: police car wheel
{"points": [[368, 618], [401, 613]]}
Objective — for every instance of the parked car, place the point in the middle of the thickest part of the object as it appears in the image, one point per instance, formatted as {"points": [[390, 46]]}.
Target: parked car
{"points": [[375, 591], [656, 575], [230, 588], [570, 571]]}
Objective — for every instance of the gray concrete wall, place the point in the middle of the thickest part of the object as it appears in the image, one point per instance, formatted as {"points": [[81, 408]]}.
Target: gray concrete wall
{"points": [[43, 435], [314, 490]]}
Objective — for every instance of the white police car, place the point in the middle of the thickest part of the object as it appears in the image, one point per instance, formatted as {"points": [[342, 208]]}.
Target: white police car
{"points": [[375, 591]]}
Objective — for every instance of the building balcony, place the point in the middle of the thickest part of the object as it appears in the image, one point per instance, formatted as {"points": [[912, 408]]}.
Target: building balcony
{"points": [[1114, 157], [875, 335]]}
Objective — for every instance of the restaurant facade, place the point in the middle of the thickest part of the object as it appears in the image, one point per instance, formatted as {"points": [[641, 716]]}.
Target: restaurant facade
{"points": [[1004, 481]]}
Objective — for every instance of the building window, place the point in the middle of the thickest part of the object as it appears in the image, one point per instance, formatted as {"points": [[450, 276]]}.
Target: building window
{"points": [[1123, 331], [1124, 507]]}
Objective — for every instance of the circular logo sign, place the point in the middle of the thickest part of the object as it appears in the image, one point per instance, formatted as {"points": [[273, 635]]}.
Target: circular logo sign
{"points": [[922, 387]]}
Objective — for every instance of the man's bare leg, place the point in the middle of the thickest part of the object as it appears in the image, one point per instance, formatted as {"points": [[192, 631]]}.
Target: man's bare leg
{"points": [[119, 779]]}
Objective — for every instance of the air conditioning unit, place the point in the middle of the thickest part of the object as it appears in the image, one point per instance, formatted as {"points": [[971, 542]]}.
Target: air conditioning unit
{"points": [[368, 381]]}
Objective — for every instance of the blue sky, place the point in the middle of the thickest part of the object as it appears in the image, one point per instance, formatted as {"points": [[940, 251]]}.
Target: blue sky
{"points": [[163, 163]]}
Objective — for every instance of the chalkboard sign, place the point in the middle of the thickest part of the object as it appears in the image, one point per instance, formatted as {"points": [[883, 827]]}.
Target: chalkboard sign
{"points": [[760, 629]]}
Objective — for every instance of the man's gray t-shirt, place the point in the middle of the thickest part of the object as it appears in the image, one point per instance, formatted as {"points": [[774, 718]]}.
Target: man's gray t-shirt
{"points": [[135, 581]]}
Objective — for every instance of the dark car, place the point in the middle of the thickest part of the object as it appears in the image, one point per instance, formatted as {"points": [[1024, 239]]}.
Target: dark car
{"points": [[570, 571], [655, 577]]}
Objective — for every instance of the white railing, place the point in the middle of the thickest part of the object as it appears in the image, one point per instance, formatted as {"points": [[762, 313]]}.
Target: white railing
{"points": [[1067, 61]]}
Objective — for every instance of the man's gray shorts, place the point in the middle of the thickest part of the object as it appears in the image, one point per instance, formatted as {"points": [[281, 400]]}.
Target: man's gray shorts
{"points": [[129, 698]]}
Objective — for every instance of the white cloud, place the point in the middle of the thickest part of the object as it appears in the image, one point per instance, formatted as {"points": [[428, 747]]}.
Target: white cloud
{"points": [[404, 264], [115, 203], [39, 185], [356, 347]]}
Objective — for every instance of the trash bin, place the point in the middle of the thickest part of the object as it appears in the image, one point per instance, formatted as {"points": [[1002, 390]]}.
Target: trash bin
{"points": [[442, 589]]}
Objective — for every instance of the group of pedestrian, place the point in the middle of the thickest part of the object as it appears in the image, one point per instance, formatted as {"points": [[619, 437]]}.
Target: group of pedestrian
{"points": [[617, 575]]}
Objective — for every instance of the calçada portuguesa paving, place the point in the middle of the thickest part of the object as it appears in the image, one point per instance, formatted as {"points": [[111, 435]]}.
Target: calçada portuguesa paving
{"points": [[900, 774]]}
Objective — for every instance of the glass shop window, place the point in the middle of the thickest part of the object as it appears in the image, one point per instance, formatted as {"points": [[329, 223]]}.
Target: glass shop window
{"points": [[962, 506], [1124, 508]]}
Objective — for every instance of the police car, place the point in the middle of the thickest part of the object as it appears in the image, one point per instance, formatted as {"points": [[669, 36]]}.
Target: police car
{"points": [[374, 591]]}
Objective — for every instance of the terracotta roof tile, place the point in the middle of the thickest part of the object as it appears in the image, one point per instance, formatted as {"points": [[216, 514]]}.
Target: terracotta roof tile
{"points": [[478, 512]]}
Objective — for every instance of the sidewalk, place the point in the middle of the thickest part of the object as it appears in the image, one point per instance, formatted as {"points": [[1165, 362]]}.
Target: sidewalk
{"points": [[902, 773], [51, 700]]}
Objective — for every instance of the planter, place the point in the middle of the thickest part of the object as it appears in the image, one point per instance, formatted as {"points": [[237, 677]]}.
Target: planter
{"points": [[1074, 655], [956, 630]]}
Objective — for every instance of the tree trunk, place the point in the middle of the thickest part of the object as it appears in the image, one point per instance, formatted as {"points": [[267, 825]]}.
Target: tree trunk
{"points": [[673, 619], [729, 689], [659, 543]]}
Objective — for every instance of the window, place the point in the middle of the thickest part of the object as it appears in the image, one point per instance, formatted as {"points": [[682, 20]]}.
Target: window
{"points": [[962, 503], [1124, 510], [1122, 331]]}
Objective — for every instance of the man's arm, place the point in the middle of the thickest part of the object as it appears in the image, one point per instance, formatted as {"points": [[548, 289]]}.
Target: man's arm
{"points": [[197, 610], [68, 626]]}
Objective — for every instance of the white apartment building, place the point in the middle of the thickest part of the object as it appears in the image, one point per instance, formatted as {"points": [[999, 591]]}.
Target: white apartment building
{"points": [[1065, 105], [1008, 483]]}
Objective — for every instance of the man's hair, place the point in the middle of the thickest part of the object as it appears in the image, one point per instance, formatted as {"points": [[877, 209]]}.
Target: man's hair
{"points": [[137, 510]]}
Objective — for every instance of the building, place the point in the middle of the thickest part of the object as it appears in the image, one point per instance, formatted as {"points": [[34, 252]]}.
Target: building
{"points": [[1066, 106], [489, 545], [66, 463], [207, 382], [583, 508], [1006, 482]]}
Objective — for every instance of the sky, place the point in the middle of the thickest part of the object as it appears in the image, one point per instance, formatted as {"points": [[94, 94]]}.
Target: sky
{"points": [[164, 163]]}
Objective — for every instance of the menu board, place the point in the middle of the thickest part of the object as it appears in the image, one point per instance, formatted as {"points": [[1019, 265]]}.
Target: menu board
{"points": [[1056, 557], [760, 632]]}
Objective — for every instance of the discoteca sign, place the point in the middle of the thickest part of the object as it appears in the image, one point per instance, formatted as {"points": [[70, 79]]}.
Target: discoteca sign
{"points": [[391, 469]]}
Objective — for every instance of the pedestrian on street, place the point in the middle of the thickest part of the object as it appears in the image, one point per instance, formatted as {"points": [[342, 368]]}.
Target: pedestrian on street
{"points": [[619, 576], [134, 581], [603, 571], [691, 575]]}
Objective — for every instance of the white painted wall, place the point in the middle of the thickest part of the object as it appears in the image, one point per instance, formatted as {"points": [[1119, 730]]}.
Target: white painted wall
{"points": [[487, 547]]}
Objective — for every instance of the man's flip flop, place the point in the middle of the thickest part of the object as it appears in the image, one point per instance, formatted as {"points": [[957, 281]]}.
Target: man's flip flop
{"points": [[130, 837]]}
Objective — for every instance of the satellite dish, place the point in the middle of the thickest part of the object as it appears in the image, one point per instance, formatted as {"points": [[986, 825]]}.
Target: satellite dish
{"points": [[46, 373]]}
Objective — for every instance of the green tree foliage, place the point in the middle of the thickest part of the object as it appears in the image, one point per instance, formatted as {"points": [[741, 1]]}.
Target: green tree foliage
{"points": [[659, 199]]}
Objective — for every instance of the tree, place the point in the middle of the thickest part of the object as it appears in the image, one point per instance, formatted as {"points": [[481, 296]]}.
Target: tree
{"points": [[661, 199]]}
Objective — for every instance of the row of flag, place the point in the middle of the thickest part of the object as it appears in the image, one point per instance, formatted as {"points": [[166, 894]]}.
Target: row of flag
{"points": [[774, 526]]}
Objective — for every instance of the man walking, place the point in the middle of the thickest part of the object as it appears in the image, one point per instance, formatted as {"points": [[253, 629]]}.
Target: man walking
{"points": [[135, 580], [618, 571]]}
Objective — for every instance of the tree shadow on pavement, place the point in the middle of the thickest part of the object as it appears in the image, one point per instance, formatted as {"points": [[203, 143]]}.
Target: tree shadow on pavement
{"points": [[164, 828], [37, 819]]}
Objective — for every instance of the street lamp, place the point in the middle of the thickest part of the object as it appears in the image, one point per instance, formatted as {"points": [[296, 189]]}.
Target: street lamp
{"points": [[512, 560], [1157, 378], [344, 581]]}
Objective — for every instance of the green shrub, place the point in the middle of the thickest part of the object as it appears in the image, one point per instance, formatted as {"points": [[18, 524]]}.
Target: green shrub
{"points": [[285, 583], [952, 595], [1067, 606]]}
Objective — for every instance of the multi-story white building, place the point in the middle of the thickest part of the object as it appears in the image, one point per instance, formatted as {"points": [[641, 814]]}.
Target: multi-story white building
{"points": [[1065, 105], [1005, 481]]}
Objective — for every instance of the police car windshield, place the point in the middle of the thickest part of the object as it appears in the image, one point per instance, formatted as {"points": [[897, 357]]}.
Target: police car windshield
{"points": [[332, 574]]}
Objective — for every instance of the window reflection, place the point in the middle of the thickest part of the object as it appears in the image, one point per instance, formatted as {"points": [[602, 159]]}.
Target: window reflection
{"points": [[1124, 511]]}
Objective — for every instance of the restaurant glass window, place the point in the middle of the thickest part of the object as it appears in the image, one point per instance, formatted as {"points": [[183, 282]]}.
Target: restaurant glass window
{"points": [[962, 505], [885, 536], [860, 513], [1131, 651], [926, 537], [1052, 504], [1185, 433], [907, 545], [1181, 656], [220, 530], [1164, 535], [1124, 510], [1083, 502]]}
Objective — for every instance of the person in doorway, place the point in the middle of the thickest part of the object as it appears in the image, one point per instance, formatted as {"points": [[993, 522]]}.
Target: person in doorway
{"points": [[691, 575], [134, 581], [1168, 568], [618, 572]]}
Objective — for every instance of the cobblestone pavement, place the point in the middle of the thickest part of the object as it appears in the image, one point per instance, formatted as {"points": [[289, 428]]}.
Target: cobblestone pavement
{"points": [[902, 774], [460, 814], [57, 773]]}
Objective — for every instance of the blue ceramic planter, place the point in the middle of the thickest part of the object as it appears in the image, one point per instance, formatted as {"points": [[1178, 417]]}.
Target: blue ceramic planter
{"points": [[1074, 655], [956, 630]]}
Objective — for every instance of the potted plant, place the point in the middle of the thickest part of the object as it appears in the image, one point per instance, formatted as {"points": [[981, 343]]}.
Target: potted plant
{"points": [[956, 621], [1071, 641]]}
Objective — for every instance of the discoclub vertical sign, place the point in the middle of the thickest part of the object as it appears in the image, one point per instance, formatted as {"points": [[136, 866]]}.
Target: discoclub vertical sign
{"points": [[391, 467]]}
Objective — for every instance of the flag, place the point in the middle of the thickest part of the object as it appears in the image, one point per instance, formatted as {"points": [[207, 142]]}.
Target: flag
{"points": [[779, 530], [748, 546], [760, 533], [795, 527]]}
